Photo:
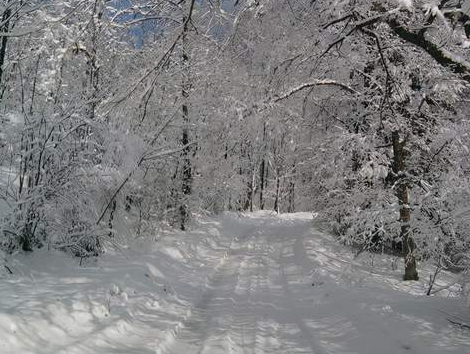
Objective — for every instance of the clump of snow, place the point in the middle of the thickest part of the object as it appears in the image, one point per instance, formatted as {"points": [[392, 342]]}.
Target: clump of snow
{"points": [[407, 4]]}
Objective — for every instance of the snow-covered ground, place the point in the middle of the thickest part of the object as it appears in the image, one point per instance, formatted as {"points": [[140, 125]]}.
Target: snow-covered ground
{"points": [[254, 283]]}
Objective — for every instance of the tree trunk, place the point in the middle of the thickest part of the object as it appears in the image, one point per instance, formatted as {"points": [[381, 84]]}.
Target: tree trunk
{"points": [[262, 171], [408, 245], [291, 206], [112, 210], [261, 183], [278, 189], [186, 153], [249, 197], [3, 43]]}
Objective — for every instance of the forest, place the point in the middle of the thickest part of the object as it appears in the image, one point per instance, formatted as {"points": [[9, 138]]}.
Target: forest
{"points": [[159, 113]]}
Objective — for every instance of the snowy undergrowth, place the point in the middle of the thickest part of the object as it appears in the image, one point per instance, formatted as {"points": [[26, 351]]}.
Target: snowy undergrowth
{"points": [[349, 266]]}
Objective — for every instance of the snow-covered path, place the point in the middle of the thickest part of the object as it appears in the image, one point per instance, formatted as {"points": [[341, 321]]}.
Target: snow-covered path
{"points": [[243, 284], [274, 294], [249, 307]]}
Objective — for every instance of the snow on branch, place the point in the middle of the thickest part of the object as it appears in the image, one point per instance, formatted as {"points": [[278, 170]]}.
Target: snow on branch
{"points": [[441, 55], [356, 26], [301, 87], [145, 157]]}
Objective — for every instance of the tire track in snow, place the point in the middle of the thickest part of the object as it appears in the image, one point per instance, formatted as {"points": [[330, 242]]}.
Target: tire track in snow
{"points": [[313, 342], [259, 340], [244, 311], [245, 318], [196, 333], [172, 333], [268, 342]]}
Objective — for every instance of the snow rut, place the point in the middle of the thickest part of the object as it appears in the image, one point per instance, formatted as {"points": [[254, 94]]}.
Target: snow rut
{"points": [[247, 309], [269, 296]]}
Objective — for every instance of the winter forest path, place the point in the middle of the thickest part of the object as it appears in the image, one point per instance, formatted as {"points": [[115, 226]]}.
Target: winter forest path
{"points": [[282, 289], [254, 283]]}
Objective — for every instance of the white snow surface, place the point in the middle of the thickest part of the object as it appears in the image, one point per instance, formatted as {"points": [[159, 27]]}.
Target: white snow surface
{"points": [[240, 283], [408, 4]]}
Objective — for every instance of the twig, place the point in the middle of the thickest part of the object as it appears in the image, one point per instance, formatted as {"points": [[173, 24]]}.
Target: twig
{"points": [[8, 268], [460, 324]]}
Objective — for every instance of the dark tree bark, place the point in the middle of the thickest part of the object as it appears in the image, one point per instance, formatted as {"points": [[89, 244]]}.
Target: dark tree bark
{"points": [[262, 172], [278, 190], [261, 183], [291, 191], [408, 246], [112, 210], [437, 52], [186, 153], [3, 44], [251, 192]]}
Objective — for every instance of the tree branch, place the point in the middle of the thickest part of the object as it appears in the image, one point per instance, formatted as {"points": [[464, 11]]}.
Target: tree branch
{"points": [[301, 87], [441, 55]]}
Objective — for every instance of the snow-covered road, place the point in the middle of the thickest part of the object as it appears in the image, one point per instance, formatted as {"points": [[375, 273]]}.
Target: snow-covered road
{"points": [[249, 306], [243, 284], [274, 294]]}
